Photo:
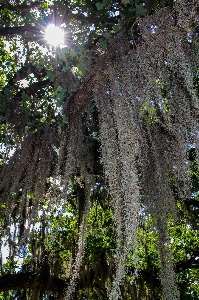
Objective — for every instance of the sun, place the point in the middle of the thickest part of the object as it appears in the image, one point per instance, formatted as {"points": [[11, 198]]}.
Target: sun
{"points": [[54, 35]]}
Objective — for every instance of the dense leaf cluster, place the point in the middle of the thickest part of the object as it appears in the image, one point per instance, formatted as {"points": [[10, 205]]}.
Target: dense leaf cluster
{"points": [[44, 94]]}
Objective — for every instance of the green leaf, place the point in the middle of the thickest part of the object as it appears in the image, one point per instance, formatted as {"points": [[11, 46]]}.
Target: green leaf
{"points": [[7, 92], [107, 34], [60, 94], [64, 119], [140, 10], [73, 53], [82, 68], [59, 90], [51, 75], [103, 45], [61, 55], [116, 28], [100, 5], [66, 68], [25, 97]]}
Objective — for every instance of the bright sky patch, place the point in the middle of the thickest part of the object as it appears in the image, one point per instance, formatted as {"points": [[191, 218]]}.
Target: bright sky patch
{"points": [[54, 35]]}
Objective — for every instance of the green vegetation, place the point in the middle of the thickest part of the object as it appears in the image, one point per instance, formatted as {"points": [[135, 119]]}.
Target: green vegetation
{"points": [[99, 178]]}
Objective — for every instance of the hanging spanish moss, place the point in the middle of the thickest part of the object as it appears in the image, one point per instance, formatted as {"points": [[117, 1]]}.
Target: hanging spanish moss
{"points": [[147, 111], [146, 115]]}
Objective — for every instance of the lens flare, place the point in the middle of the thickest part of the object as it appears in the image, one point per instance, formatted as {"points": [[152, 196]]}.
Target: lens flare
{"points": [[54, 35]]}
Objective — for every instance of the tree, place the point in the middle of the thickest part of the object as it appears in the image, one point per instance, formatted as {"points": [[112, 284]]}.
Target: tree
{"points": [[99, 164]]}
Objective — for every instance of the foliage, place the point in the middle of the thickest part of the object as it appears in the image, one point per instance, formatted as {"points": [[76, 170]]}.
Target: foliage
{"points": [[98, 150]]}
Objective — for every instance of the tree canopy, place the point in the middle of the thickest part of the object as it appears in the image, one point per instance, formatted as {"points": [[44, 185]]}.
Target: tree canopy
{"points": [[99, 140]]}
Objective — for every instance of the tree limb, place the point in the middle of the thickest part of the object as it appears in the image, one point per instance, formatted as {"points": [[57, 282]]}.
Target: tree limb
{"points": [[33, 88], [26, 70], [19, 7], [31, 280], [191, 263], [19, 30]]}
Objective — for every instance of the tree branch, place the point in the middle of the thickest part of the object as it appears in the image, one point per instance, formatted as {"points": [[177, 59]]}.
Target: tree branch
{"points": [[191, 263], [189, 202], [26, 70], [32, 280], [33, 88], [20, 6], [19, 30]]}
